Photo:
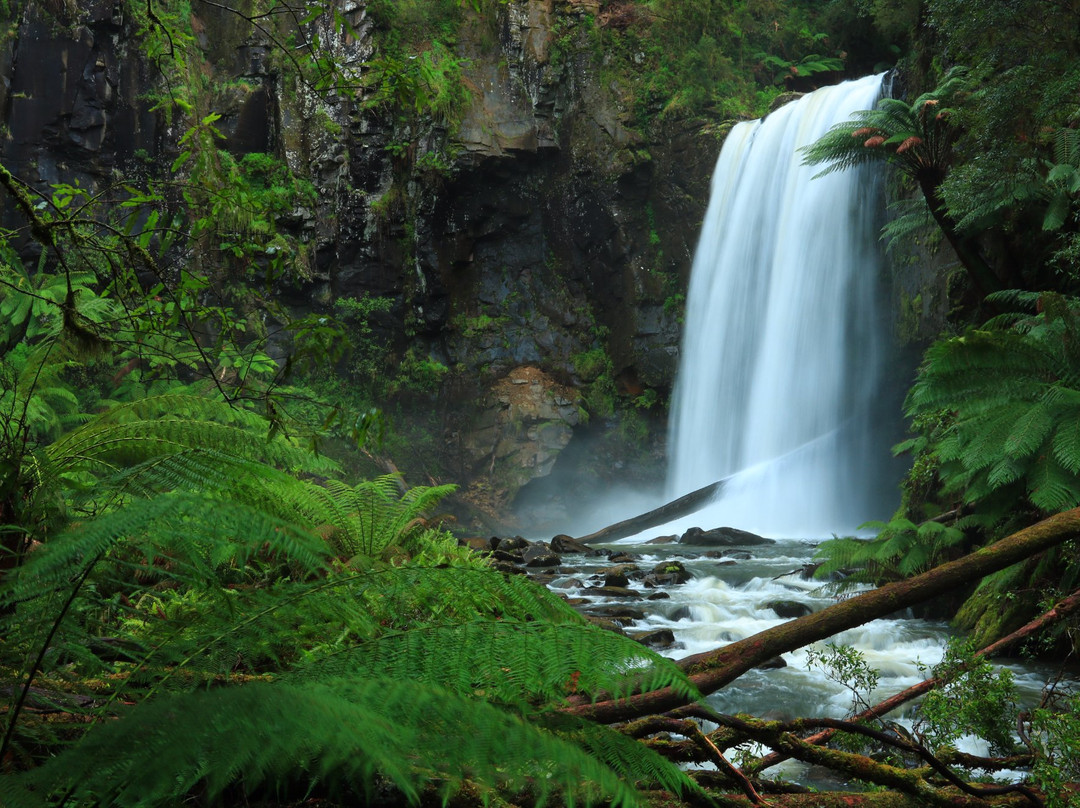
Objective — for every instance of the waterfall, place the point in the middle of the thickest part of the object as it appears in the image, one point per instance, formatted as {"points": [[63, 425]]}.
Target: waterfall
{"points": [[782, 353]]}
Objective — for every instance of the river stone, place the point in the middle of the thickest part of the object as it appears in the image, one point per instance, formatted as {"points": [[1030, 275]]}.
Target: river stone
{"points": [[539, 555], [660, 638], [682, 613], [614, 592], [663, 540], [772, 664], [510, 558], [563, 544], [569, 583], [788, 608], [620, 569], [604, 623], [669, 573], [622, 558], [620, 613], [722, 537], [658, 596], [511, 543], [616, 580]]}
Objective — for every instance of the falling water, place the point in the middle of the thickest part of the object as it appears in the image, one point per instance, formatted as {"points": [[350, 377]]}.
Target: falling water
{"points": [[783, 347]]}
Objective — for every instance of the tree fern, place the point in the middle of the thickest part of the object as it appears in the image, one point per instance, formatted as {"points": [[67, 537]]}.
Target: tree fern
{"points": [[509, 662], [336, 735]]}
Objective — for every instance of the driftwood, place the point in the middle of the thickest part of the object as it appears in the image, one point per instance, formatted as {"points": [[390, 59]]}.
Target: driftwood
{"points": [[686, 504], [713, 670]]}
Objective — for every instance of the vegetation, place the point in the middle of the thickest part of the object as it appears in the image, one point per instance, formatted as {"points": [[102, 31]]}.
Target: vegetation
{"points": [[198, 607]]}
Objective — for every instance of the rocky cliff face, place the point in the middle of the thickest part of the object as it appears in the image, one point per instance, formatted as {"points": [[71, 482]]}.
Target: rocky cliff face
{"points": [[538, 251]]}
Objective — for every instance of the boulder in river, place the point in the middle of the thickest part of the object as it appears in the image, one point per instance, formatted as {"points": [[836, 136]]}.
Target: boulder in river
{"points": [[511, 543], [629, 570], [539, 555], [563, 544], [660, 638], [669, 573], [663, 540], [722, 537], [788, 608]]}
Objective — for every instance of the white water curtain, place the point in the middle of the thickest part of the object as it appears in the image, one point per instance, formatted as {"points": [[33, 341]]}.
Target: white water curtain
{"points": [[784, 341]]}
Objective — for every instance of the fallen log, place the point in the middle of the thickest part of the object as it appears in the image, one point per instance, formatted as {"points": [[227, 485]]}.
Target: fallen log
{"points": [[1062, 609], [712, 670], [686, 504]]}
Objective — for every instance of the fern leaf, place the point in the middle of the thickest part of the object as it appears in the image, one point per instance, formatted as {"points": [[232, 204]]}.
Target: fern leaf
{"points": [[339, 734], [514, 663], [1029, 432], [629, 759], [1051, 488]]}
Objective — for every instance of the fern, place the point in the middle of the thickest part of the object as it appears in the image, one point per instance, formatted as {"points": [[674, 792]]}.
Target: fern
{"points": [[334, 735], [514, 663]]}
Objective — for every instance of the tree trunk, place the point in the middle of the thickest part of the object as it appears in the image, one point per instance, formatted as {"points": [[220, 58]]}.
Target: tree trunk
{"points": [[713, 670], [982, 276], [688, 503]]}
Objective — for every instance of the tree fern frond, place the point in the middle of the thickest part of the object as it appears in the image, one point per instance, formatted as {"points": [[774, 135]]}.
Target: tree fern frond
{"points": [[629, 759], [1066, 443], [415, 594], [1051, 488], [510, 662], [337, 735], [1029, 432], [184, 526], [168, 423]]}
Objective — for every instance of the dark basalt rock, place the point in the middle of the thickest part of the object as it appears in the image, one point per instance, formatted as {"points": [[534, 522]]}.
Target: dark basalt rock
{"points": [[788, 608], [511, 543], [772, 664], [660, 638], [629, 570], [722, 537], [540, 555], [669, 573], [625, 614], [663, 540], [614, 592], [563, 544]]}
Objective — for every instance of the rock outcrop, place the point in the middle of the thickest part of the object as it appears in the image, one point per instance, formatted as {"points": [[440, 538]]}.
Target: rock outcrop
{"points": [[550, 225]]}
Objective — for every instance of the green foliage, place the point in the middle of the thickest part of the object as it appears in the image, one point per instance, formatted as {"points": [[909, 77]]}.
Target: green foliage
{"points": [[1012, 389], [974, 697], [1055, 735], [900, 549], [997, 416], [336, 733], [366, 518], [844, 665], [916, 137]]}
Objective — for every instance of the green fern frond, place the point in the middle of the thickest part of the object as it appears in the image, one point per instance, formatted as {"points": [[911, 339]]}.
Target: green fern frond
{"points": [[199, 530], [510, 662], [407, 595], [1029, 432], [630, 760], [335, 735], [1051, 488]]}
